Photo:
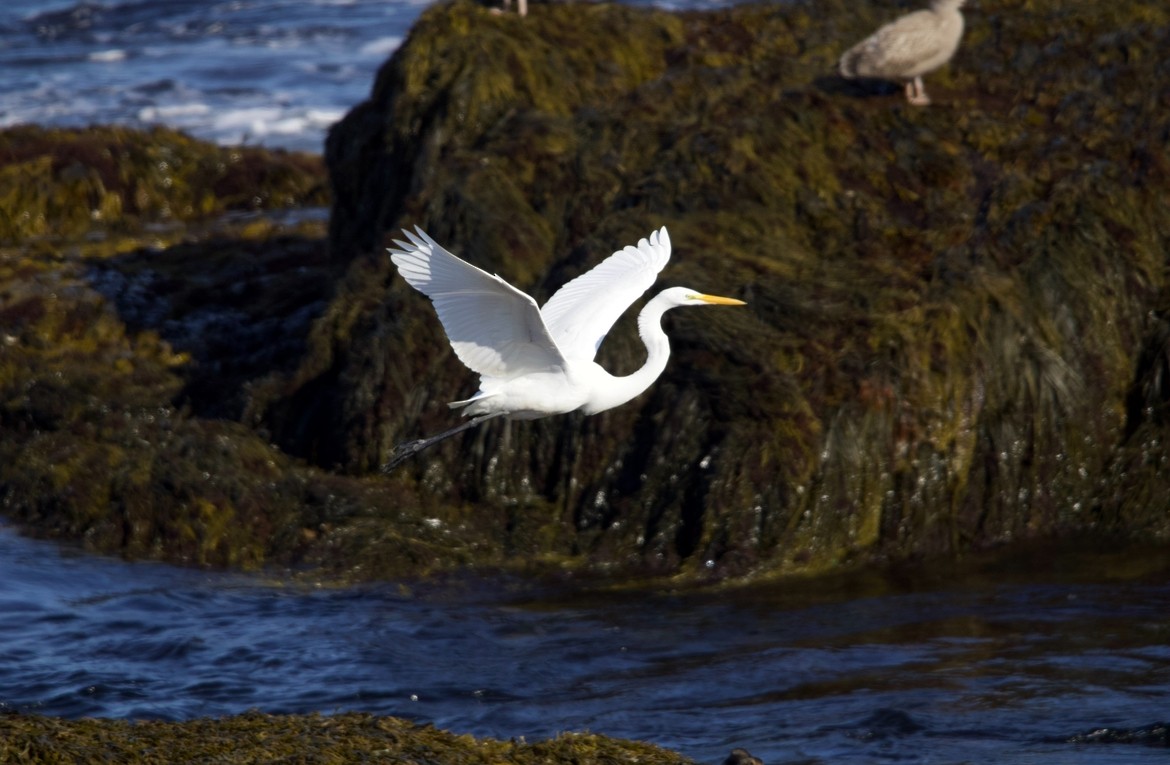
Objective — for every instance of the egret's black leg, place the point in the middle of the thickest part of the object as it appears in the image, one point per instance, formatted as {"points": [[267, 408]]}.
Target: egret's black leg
{"points": [[408, 449]]}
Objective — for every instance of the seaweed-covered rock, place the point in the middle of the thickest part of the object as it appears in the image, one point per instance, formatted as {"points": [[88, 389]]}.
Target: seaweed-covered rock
{"points": [[256, 737], [64, 183], [947, 304], [127, 350], [97, 448], [956, 334]]}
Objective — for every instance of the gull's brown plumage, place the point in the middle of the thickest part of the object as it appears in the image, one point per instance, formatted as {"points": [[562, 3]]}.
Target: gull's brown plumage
{"points": [[909, 47]]}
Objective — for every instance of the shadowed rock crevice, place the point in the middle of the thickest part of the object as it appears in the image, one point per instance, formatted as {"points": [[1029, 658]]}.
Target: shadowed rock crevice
{"points": [[239, 309]]}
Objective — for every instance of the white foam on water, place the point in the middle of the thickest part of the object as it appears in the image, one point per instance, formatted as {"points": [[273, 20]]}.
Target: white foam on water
{"points": [[246, 117], [172, 112], [107, 56], [323, 118], [286, 126], [276, 72], [383, 46]]}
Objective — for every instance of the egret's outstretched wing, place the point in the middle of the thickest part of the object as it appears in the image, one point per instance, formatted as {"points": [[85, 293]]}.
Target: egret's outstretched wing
{"points": [[494, 328], [580, 314]]}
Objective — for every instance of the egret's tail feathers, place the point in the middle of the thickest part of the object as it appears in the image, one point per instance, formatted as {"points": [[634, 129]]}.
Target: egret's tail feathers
{"points": [[469, 401]]}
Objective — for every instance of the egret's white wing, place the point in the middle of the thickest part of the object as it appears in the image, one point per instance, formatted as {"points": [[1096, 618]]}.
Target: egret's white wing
{"points": [[580, 314], [494, 328]]}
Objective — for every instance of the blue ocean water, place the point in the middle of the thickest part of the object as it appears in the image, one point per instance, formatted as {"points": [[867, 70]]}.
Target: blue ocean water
{"points": [[997, 672], [275, 73], [267, 72], [1001, 672]]}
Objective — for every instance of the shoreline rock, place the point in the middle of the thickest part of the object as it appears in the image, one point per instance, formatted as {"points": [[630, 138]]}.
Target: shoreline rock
{"points": [[956, 337], [257, 737], [945, 303]]}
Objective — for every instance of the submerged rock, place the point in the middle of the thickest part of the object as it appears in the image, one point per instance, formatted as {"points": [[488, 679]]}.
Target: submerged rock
{"points": [[1156, 735]]}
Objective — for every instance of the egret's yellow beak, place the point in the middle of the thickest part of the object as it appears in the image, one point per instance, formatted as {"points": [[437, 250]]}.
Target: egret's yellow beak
{"points": [[716, 300]]}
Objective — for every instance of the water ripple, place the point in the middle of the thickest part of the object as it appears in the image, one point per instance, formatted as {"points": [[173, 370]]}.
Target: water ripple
{"points": [[986, 672]]}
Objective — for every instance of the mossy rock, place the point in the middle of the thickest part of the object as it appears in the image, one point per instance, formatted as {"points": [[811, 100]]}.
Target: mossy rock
{"points": [[946, 304], [97, 448], [955, 338], [126, 360], [256, 737], [65, 183]]}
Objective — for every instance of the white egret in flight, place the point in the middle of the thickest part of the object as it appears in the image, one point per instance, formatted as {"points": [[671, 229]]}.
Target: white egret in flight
{"points": [[535, 362], [908, 47]]}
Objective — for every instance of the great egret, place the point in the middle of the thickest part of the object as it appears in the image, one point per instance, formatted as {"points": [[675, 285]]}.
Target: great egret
{"points": [[535, 362], [909, 47]]}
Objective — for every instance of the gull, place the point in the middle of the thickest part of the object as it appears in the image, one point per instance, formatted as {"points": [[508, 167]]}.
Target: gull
{"points": [[908, 47]]}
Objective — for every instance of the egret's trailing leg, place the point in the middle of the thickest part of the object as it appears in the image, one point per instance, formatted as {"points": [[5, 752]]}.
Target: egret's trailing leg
{"points": [[408, 449]]}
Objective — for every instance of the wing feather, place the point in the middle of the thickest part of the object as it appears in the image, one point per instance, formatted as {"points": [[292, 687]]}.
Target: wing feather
{"points": [[583, 311], [906, 47], [495, 329]]}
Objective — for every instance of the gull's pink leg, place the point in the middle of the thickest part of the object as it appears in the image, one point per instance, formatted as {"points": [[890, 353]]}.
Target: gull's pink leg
{"points": [[919, 98]]}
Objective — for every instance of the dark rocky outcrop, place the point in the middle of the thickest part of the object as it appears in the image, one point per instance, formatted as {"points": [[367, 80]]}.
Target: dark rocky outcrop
{"points": [[957, 337], [128, 344]]}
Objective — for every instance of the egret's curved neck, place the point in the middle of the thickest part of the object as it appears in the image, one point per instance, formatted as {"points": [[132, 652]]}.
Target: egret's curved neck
{"points": [[619, 390]]}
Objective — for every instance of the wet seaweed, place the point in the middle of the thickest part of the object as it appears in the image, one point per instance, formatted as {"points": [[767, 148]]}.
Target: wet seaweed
{"points": [[955, 339], [257, 737]]}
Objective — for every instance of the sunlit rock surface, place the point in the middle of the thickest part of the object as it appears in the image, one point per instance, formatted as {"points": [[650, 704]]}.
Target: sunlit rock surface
{"points": [[956, 335]]}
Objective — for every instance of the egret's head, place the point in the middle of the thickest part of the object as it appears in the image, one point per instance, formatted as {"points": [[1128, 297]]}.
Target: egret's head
{"points": [[680, 296]]}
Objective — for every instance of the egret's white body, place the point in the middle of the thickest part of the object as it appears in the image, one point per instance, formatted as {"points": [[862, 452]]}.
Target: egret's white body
{"points": [[909, 47], [535, 362]]}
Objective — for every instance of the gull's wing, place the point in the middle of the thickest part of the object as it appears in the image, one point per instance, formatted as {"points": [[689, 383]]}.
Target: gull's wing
{"points": [[580, 314], [494, 328], [899, 47]]}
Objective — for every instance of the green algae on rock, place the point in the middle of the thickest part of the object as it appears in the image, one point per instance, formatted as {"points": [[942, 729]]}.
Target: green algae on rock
{"points": [[126, 351], [334, 739], [946, 306], [956, 333], [64, 183], [95, 448]]}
